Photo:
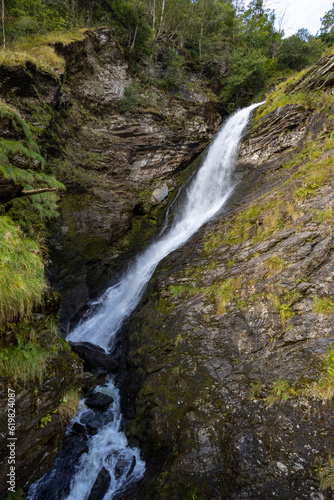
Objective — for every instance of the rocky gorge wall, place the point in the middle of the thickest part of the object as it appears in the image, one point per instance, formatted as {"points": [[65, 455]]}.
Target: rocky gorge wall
{"points": [[229, 380], [121, 150], [228, 376]]}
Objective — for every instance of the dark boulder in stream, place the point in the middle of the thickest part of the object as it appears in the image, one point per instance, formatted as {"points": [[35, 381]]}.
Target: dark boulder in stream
{"points": [[99, 401], [94, 357], [100, 486]]}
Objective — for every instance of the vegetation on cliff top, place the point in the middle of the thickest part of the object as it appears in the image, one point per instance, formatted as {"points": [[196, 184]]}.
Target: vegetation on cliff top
{"points": [[237, 49]]}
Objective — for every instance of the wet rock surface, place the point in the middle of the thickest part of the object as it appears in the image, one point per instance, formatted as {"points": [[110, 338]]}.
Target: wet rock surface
{"points": [[111, 161], [99, 401], [101, 485], [226, 365], [95, 358]]}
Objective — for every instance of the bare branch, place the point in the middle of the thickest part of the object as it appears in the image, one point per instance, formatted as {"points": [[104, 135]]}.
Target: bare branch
{"points": [[35, 191]]}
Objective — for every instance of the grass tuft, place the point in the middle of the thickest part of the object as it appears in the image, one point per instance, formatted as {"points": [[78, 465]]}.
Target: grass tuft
{"points": [[22, 280], [323, 389], [39, 49], [323, 306], [26, 362], [69, 404]]}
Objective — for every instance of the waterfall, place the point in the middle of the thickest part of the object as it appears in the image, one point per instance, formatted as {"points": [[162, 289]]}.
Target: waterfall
{"points": [[205, 196]]}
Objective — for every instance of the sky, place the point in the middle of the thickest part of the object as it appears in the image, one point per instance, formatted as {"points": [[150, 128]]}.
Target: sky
{"points": [[300, 13]]}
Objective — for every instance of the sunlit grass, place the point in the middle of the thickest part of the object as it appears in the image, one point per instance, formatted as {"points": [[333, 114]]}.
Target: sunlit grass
{"points": [[22, 280], [69, 404], [39, 49]]}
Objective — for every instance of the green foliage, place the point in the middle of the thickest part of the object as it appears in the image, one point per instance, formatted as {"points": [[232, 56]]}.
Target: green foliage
{"points": [[256, 388], [223, 293], [323, 389], [174, 74], [326, 472], [248, 70], [26, 362], [133, 97], [25, 153], [45, 420], [327, 27], [323, 305], [257, 28], [22, 280], [305, 191], [285, 310], [18, 495], [275, 264], [325, 215], [240, 229], [281, 391], [212, 240], [299, 50]]}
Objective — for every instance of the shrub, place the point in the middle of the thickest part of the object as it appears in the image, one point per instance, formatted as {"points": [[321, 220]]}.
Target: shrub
{"points": [[323, 306], [174, 75]]}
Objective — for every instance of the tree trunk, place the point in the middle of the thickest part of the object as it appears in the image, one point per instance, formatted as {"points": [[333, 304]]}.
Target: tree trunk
{"points": [[135, 35], [3, 25]]}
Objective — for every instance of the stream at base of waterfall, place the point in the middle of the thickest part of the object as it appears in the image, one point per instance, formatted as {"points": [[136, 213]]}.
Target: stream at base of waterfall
{"points": [[107, 452]]}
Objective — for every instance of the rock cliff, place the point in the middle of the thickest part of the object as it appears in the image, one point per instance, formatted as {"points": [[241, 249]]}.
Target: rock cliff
{"points": [[230, 364], [121, 149], [115, 143]]}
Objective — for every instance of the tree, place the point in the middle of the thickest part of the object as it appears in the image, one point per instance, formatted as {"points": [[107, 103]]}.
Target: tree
{"points": [[258, 28], [299, 50], [249, 69], [3, 24], [327, 27]]}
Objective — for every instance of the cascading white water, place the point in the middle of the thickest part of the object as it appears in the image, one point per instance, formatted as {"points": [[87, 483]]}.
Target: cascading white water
{"points": [[108, 449], [205, 196]]}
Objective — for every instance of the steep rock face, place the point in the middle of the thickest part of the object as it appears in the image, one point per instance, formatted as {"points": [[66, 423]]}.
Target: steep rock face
{"points": [[229, 377], [120, 169], [111, 158], [35, 411]]}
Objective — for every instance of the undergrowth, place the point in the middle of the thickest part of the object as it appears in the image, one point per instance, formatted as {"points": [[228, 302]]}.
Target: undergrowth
{"points": [[21, 160], [323, 389], [22, 280], [69, 404], [25, 362], [39, 49]]}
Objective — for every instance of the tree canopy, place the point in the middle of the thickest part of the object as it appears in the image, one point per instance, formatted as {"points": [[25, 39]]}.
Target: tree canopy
{"points": [[238, 48]]}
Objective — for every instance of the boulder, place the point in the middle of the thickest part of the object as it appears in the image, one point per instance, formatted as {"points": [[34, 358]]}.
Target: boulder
{"points": [[159, 194], [99, 401], [94, 356], [101, 485]]}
